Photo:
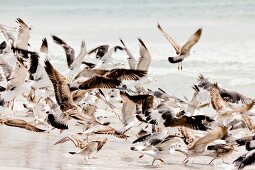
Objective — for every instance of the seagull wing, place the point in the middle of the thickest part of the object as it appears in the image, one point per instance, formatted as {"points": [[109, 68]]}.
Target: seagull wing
{"points": [[89, 73], [3, 45], [7, 34], [169, 120], [216, 100], [22, 23], [100, 144], [131, 59], [61, 87], [217, 133], [107, 130], [125, 74], [99, 82], [220, 105], [189, 137], [233, 97], [176, 46], [128, 110], [248, 121], [145, 57], [90, 110], [191, 42], [55, 122], [44, 46], [78, 60], [69, 138], [22, 124], [19, 74], [70, 53], [220, 148]]}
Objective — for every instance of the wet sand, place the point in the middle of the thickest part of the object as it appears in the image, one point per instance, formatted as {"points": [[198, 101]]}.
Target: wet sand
{"points": [[29, 150]]}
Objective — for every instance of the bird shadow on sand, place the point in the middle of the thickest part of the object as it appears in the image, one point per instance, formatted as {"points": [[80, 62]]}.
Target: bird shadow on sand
{"points": [[160, 165], [197, 165]]}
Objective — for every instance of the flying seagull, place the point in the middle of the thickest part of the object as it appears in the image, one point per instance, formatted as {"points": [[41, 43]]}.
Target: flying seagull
{"points": [[181, 51], [23, 35], [68, 49], [198, 147], [21, 124], [156, 144]]}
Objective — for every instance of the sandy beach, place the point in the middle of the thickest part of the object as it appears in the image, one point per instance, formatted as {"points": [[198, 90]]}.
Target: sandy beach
{"points": [[25, 150]]}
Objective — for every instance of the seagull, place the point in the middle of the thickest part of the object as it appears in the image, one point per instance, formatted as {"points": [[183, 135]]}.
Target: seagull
{"points": [[199, 100], [76, 139], [21, 124], [23, 35], [215, 151], [128, 111], [143, 64], [37, 74], [91, 148], [224, 109], [86, 148], [232, 97], [219, 151], [70, 53], [243, 140], [181, 51], [74, 64], [155, 145], [198, 147], [15, 83], [64, 98], [245, 160], [166, 117]]}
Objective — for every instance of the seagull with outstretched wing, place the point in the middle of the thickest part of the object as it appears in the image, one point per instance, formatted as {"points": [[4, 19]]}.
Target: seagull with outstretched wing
{"points": [[181, 51]]}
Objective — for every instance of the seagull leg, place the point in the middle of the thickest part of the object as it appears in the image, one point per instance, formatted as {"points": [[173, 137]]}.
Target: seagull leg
{"points": [[162, 161], [153, 162], [212, 160], [12, 104], [153, 128], [181, 65], [186, 160], [178, 66]]}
